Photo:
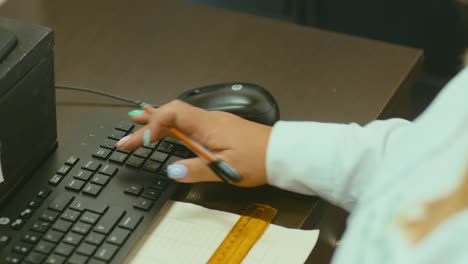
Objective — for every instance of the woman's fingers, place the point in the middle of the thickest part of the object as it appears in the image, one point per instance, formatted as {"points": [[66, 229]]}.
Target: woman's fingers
{"points": [[142, 137], [139, 116], [157, 122]]}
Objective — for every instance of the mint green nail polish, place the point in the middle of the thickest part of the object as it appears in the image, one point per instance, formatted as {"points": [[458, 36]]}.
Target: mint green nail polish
{"points": [[135, 112], [146, 138], [176, 171]]}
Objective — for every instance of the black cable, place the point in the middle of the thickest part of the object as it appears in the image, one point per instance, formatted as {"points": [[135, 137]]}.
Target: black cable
{"points": [[120, 98]]}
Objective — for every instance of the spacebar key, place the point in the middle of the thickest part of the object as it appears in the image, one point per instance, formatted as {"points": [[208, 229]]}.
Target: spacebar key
{"points": [[109, 220]]}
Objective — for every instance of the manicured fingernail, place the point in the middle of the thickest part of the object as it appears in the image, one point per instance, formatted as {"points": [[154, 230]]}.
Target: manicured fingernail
{"points": [[135, 112], [176, 171], [122, 141], [146, 138]]}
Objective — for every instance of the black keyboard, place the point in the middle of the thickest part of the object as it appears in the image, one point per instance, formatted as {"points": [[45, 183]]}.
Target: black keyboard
{"points": [[95, 205]]}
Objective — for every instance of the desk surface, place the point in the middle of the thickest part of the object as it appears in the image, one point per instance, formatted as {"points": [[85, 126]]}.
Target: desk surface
{"points": [[156, 49]]}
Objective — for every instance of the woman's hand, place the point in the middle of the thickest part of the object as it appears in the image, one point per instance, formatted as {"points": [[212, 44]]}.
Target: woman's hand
{"points": [[239, 142]]}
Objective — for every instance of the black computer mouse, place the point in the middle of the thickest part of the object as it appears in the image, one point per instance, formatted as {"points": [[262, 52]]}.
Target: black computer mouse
{"points": [[247, 100]]}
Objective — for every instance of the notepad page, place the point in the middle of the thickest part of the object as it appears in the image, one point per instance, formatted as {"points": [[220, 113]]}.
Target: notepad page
{"points": [[189, 233]]}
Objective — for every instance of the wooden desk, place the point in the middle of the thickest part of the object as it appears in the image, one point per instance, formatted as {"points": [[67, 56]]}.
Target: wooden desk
{"points": [[155, 49]]}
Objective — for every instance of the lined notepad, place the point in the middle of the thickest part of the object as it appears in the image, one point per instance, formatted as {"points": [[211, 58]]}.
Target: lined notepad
{"points": [[188, 233]]}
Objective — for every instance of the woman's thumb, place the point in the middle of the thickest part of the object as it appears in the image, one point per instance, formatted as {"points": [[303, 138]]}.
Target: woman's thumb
{"points": [[191, 170]]}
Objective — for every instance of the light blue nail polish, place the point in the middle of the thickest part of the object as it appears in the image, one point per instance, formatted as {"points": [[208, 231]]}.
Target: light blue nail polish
{"points": [[176, 171], [135, 112], [146, 138]]}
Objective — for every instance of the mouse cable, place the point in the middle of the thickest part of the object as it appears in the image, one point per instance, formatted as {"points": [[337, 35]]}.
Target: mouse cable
{"points": [[138, 103]]}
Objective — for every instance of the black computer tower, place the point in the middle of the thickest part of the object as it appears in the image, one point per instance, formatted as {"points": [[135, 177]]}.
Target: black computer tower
{"points": [[28, 130]]}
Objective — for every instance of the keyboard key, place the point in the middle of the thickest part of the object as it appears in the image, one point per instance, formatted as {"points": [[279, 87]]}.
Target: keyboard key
{"points": [[142, 153], [90, 218], [35, 203], [44, 247], [117, 134], [102, 153], [75, 185], [77, 205], [135, 162], [152, 145], [152, 166], [106, 252], [86, 249], [22, 248], [159, 156], [64, 170], [159, 184], [72, 160], [143, 204], [100, 179], [151, 194], [96, 206], [133, 189], [109, 143], [55, 259], [118, 157], [166, 147], [109, 220], [91, 165], [61, 202], [18, 223], [95, 261], [128, 152], [44, 192], [26, 213], [108, 170], [77, 259], [183, 152], [70, 215], [32, 237], [64, 249], [53, 236], [125, 126], [130, 221], [81, 228], [35, 258], [3, 222], [72, 238], [56, 179], [172, 140], [118, 236], [4, 240], [49, 215], [92, 189], [62, 225], [94, 238], [83, 175], [40, 226], [13, 258]]}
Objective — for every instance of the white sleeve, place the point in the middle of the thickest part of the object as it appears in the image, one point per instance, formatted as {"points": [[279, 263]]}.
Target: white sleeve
{"points": [[339, 161], [334, 161]]}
